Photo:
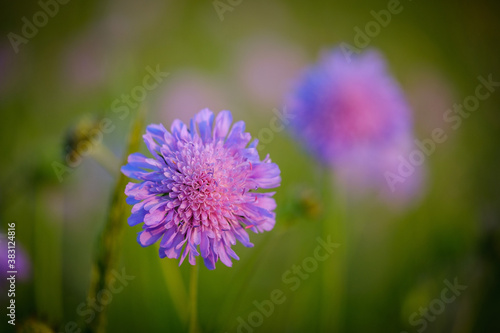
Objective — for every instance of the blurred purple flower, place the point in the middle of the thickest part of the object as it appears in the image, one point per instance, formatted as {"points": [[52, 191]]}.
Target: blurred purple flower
{"points": [[353, 116], [341, 106], [199, 189], [22, 262]]}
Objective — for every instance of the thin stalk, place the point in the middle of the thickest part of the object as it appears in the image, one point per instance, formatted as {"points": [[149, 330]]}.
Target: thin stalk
{"points": [[193, 300], [335, 226], [109, 243]]}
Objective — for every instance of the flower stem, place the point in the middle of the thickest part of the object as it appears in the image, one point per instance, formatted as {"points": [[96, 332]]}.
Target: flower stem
{"points": [[334, 270], [109, 243], [193, 300]]}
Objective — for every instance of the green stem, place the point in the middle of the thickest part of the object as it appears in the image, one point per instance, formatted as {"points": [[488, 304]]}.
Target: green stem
{"points": [[193, 300], [109, 244], [334, 271]]}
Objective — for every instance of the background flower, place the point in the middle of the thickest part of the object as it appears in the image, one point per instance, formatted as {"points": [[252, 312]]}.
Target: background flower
{"points": [[22, 262], [345, 107], [352, 115]]}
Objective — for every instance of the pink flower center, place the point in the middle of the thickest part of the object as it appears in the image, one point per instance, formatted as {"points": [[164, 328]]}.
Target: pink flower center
{"points": [[209, 181]]}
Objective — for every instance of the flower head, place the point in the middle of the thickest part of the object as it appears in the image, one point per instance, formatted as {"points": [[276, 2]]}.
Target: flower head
{"points": [[199, 191], [352, 115], [347, 108]]}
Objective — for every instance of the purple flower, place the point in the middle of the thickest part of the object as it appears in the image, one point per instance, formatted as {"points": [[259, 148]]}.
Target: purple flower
{"points": [[348, 108], [200, 188], [352, 115], [22, 263]]}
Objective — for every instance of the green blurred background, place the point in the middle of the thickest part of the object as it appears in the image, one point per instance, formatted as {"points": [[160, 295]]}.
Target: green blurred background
{"points": [[392, 258]]}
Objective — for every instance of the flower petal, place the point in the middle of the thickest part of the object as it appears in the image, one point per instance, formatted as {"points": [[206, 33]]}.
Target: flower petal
{"points": [[222, 124], [150, 235]]}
